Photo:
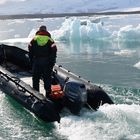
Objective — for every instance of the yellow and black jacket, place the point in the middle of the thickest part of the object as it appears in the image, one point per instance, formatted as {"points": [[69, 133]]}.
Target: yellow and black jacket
{"points": [[42, 46]]}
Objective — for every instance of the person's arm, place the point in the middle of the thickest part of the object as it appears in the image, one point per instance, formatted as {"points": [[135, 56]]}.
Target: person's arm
{"points": [[53, 52], [30, 48], [53, 47]]}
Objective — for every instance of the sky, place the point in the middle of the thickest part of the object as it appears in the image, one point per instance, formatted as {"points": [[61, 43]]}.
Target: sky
{"points": [[66, 6]]}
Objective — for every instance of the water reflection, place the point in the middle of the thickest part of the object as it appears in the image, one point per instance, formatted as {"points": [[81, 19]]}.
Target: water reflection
{"points": [[92, 47]]}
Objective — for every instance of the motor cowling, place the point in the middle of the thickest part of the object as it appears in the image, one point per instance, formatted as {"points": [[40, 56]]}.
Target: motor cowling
{"points": [[75, 96]]}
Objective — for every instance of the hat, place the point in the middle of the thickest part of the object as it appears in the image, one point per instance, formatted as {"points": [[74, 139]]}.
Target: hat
{"points": [[42, 28]]}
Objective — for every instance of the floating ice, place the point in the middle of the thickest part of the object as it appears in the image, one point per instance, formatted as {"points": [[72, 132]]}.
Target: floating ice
{"points": [[127, 53], [137, 65], [73, 30], [129, 33]]}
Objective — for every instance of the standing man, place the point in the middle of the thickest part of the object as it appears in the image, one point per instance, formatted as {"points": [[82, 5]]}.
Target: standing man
{"points": [[42, 54]]}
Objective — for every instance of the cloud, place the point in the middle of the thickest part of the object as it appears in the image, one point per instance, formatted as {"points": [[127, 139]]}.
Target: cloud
{"points": [[5, 1]]}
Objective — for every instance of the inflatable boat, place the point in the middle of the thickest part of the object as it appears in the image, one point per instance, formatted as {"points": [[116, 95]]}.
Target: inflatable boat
{"points": [[68, 90]]}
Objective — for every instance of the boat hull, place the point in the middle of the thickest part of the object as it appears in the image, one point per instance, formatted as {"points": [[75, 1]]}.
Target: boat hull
{"points": [[78, 92], [29, 98]]}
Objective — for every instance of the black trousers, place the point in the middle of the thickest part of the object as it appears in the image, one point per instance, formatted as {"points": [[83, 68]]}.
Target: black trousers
{"points": [[42, 68]]}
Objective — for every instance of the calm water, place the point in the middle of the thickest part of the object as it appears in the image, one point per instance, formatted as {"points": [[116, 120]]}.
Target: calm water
{"points": [[104, 50]]}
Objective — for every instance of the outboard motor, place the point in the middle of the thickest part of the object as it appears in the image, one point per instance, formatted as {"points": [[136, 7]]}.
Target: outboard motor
{"points": [[75, 96]]}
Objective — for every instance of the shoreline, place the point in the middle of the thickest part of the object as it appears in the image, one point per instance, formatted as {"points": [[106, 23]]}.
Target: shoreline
{"points": [[51, 15]]}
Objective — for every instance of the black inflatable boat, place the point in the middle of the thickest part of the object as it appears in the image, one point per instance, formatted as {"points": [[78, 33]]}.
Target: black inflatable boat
{"points": [[74, 93]]}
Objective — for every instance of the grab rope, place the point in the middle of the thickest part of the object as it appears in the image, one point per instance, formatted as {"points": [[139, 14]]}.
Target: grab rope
{"points": [[16, 81], [90, 107]]}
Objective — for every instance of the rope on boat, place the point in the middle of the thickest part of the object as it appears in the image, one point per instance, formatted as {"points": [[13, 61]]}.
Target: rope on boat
{"points": [[16, 81], [90, 107]]}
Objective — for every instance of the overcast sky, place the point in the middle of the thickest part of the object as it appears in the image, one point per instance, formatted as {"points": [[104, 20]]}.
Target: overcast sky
{"points": [[66, 6]]}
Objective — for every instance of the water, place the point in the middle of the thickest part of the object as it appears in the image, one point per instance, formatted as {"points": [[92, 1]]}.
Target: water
{"points": [[104, 50]]}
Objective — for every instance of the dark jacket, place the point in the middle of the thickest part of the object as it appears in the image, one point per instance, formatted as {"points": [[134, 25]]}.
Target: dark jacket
{"points": [[42, 46]]}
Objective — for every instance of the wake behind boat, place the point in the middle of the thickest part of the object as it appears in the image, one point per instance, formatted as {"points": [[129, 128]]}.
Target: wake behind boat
{"points": [[68, 90]]}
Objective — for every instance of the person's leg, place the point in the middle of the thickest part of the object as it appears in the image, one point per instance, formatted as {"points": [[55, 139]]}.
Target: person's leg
{"points": [[36, 76], [47, 79]]}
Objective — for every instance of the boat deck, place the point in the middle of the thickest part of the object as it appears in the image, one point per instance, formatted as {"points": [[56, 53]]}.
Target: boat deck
{"points": [[28, 80]]}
